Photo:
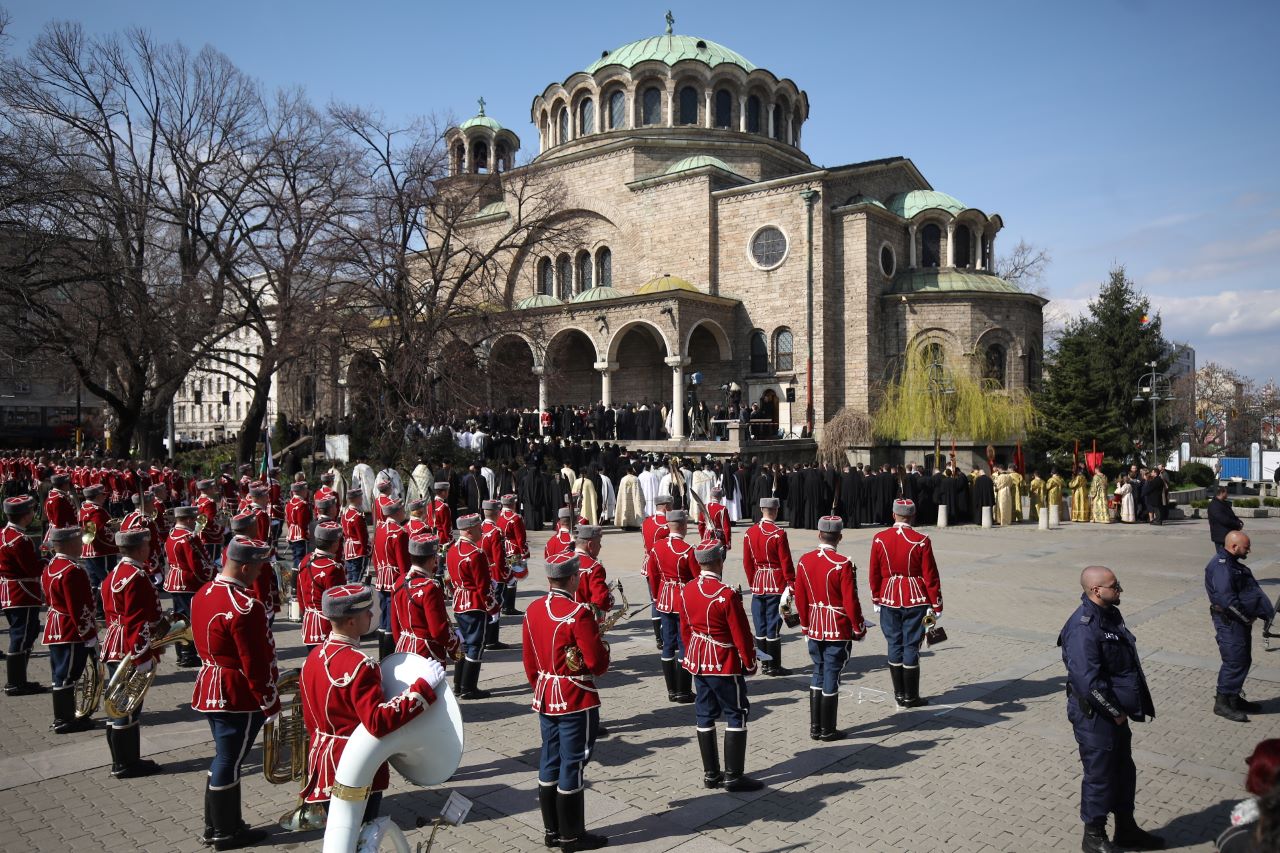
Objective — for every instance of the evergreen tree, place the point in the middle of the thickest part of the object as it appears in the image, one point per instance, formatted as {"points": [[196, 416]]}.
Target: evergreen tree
{"points": [[1094, 371]]}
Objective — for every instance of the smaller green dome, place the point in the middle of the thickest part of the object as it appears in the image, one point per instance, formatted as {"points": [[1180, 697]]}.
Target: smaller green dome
{"points": [[538, 300], [696, 162], [951, 281], [481, 120], [596, 294], [491, 209], [908, 204], [665, 283]]}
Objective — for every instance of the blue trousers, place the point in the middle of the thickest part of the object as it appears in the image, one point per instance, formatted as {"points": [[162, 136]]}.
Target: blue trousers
{"points": [[299, 549], [829, 657], [903, 627], [471, 625], [384, 618], [122, 722], [67, 662], [233, 737], [182, 604], [672, 641], [721, 695], [215, 553], [24, 627], [355, 570], [567, 742], [1235, 645], [764, 613], [97, 568], [1106, 755]]}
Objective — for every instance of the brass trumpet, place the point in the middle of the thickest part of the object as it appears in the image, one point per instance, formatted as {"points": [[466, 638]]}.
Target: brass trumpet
{"points": [[89, 533], [88, 689], [127, 688], [201, 523], [284, 743], [573, 654]]}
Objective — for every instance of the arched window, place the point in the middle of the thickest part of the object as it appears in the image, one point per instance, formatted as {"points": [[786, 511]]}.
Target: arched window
{"points": [[584, 271], [753, 114], [777, 122], [479, 157], [586, 117], [986, 253], [459, 154], [688, 105], [963, 251], [1034, 369], [994, 366], [500, 158], [784, 344], [724, 108], [617, 110], [759, 353], [546, 278], [930, 245], [562, 123], [564, 274], [651, 106], [934, 354], [604, 267]]}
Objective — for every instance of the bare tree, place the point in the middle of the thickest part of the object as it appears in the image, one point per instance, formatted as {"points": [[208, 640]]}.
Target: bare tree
{"points": [[1024, 265]]}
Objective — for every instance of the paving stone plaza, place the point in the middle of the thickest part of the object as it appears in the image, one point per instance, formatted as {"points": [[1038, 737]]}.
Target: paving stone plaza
{"points": [[990, 765]]}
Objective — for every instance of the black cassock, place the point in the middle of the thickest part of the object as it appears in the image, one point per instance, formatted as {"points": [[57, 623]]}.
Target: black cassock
{"points": [[831, 483], [794, 500], [533, 499], [984, 494], [816, 499], [851, 497], [761, 486], [949, 493]]}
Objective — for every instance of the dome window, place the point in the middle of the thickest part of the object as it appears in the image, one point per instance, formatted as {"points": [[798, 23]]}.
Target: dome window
{"points": [[963, 251], [604, 267], [688, 105], [930, 245], [587, 117], [617, 110], [724, 109], [888, 261], [701, 45], [562, 122], [651, 106], [753, 114]]}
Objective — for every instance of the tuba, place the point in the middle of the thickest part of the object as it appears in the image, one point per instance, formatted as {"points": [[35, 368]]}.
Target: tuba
{"points": [[426, 751], [127, 688], [88, 690], [284, 743]]}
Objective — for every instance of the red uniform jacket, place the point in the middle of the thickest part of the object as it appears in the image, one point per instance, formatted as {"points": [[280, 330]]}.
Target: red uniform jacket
{"points": [[560, 542], [593, 582], [419, 621], [264, 588], [20, 569], [319, 571], [297, 518], [441, 518], [275, 504], [136, 520], [766, 558], [716, 520], [342, 690], [355, 535], [189, 566], [469, 574], [262, 516], [512, 527], [103, 544], [552, 624], [208, 508], [390, 554], [58, 509], [230, 491], [713, 623], [132, 608], [495, 550], [322, 493], [671, 566], [379, 504], [903, 572], [236, 648], [827, 596], [653, 528], [419, 527], [70, 596]]}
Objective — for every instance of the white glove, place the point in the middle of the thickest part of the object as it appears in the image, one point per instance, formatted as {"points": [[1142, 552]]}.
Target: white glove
{"points": [[145, 667], [875, 608], [787, 596], [91, 642], [273, 719], [435, 673]]}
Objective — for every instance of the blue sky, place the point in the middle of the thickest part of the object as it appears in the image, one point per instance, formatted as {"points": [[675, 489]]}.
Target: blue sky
{"points": [[1140, 132]]}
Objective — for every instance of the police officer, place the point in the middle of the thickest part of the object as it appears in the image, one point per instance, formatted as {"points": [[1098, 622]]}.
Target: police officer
{"points": [[1235, 600], [1105, 690]]}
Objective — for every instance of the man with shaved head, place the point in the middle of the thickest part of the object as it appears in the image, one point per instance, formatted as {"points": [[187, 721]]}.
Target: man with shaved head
{"points": [[1235, 601], [1105, 690]]}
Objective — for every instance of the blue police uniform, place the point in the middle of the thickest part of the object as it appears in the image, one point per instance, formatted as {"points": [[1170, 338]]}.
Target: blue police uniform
{"points": [[1104, 681], [1235, 600]]}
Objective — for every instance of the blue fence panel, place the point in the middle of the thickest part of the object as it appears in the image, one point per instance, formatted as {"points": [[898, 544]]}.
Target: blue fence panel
{"points": [[1235, 466]]}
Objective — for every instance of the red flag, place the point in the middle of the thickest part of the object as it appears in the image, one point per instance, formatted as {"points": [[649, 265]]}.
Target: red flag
{"points": [[1093, 461]]}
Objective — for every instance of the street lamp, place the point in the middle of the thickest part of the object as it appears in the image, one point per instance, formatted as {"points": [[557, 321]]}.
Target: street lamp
{"points": [[1154, 386]]}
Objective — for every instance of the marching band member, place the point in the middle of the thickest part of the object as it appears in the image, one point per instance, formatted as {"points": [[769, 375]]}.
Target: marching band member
{"points": [[416, 523], [236, 686], [101, 553], [325, 491], [132, 609], [561, 541], [904, 584], [189, 569], [70, 631], [653, 528], [495, 551], [719, 654], [384, 497], [275, 505], [566, 700], [593, 586], [320, 571], [355, 536], [59, 511], [472, 583], [390, 562], [826, 591], [326, 511], [671, 566], [207, 505], [20, 593], [516, 537], [766, 558], [714, 524], [297, 521], [439, 515], [139, 518], [421, 624], [341, 689]]}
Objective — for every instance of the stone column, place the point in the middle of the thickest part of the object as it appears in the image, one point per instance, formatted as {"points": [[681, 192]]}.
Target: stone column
{"points": [[466, 155], [541, 372], [606, 369], [911, 236], [790, 136], [742, 113], [709, 101], [671, 104], [676, 363], [951, 243], [769, 108], [992, 253]]}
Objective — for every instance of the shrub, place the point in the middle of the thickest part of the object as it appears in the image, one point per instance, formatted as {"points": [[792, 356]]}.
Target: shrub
{"points": [[1198, 473], [1246, 503], [1271, 501], [1201, 504]]}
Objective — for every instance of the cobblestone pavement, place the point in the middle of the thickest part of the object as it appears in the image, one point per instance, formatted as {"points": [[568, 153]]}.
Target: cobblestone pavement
{"points": [[990, 765]]}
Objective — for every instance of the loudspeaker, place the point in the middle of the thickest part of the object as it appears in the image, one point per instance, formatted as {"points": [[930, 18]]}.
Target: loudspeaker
{"points": [[791, 395]]}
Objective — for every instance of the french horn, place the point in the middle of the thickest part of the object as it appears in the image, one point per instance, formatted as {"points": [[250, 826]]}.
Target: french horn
{"points": [[89, 533], [127, 688]]}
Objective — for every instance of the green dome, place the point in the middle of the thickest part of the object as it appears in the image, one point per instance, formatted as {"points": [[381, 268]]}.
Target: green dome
{"points": [[951, 281], [670, 49], [596, 294], [538, 300], [862, 199], [666, 283], [481, 120], [696, 162], [908, 204]]}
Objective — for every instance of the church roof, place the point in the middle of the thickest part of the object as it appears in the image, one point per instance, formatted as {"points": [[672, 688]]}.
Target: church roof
{"points": [[664, 283], [670, 49], [481, 120], [538, 300], [696, 162], [951, 281], [595, 294], [908, 204]]}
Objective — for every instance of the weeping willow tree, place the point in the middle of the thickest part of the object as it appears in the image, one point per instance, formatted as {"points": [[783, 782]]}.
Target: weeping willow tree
{"points": [[931, 398], [848, 428]]}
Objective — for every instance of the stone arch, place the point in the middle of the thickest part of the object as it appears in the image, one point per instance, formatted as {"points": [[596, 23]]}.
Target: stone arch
{"points": [[948, 339], [708, 351], [569, 366], [717, 333], [639, 349], [615, 341], [511, 377]]}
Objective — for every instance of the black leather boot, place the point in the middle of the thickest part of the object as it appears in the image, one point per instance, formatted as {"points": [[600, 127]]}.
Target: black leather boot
{"points": [[684, 685], [111, 747], [16, 670], [491, 640], [509, 602], [735, 760], [899, 691], [766, 666], [669, 675], [815, 713], [65, 720], [911, 686], [457, 677], [830, 710], [207, 838], [774, 647], [1222, 706], [1242, 704], [657, 632], [187, 657], [550, 817], [712, 777], [229, 830], [1095, 839], [1129, 834], [571, 812], [470, 680], [128, 751]]}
